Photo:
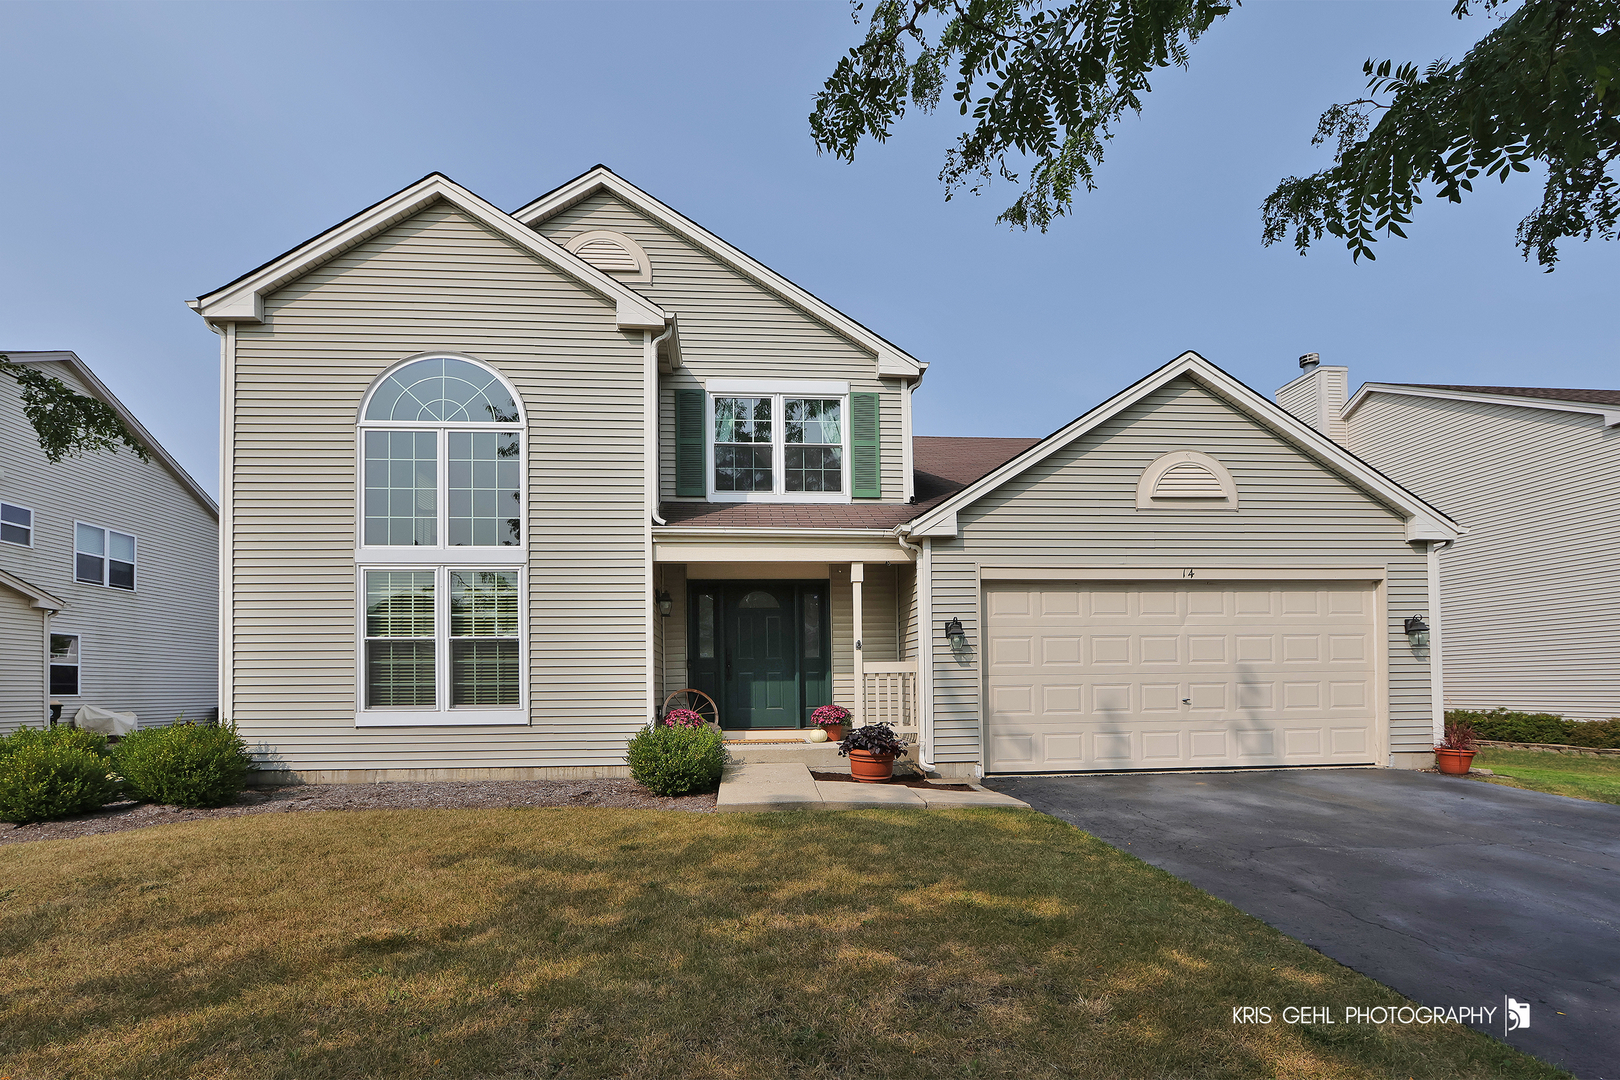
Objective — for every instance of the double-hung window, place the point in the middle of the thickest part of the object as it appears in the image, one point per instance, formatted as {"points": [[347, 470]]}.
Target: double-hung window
{"points": [[16, 525], [440, 547], [103, 557], [64, 665], [783, 442]]}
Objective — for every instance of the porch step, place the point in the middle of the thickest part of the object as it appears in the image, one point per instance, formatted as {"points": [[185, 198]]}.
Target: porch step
{"points": [[816, 755]]}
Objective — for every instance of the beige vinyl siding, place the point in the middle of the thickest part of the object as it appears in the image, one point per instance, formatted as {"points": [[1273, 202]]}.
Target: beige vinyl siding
{"points": [[22, 662], [1531, 596], [906, 609], [1077, 509], [154, 651], [1318, 398], [673, 667], [732, 327], [438, 281]]}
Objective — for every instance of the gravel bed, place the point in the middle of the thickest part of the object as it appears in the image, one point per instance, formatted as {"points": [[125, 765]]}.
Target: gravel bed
{"points": [[427, 795]]}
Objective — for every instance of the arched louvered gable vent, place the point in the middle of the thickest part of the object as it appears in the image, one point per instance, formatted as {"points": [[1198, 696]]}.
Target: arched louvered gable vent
{"points": [[1186, 480], [613, 253]]}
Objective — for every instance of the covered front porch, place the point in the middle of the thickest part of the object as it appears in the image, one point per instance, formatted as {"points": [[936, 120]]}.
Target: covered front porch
{"points": [[771, 640]]}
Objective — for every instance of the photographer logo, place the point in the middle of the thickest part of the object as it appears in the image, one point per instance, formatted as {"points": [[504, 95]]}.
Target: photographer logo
{"points": [[1515, 1015]]}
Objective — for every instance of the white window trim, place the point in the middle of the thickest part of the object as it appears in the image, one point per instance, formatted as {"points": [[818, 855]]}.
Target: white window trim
{"points": [[777, 390], [79, 663], [106, 558], [441, 552], [442, 714], [31, 526]]}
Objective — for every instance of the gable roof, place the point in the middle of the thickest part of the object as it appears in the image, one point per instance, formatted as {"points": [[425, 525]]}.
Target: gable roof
{"points": [[97, 389], [1604, 403], [1423, 521], [243, 299], [39, 597], [892, 361], [944, 466]]}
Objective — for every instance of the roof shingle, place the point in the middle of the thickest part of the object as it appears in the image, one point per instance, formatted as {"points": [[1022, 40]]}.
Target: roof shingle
{"points": [[944, 466]]}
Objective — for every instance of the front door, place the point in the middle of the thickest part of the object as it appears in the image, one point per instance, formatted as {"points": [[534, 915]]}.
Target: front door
{"points": [[760, 649]]}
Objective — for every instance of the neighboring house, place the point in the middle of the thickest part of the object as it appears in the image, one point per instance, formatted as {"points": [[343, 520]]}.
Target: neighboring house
{"points": [[495, 484], [1531, 616], [109, 572]]}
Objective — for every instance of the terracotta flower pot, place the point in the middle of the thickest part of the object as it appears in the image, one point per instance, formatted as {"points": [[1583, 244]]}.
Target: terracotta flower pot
{"points": [[870, 768], [835, 732], [1453, 762]]}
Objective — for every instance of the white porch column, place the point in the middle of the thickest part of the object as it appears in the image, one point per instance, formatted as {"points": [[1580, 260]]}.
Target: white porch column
{"points": [[857, 575]]}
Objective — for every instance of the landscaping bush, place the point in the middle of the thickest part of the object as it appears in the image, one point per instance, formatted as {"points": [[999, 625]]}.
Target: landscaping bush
{"points": [[53, 772], [1505, 726], [184, 765], [677, 760]]}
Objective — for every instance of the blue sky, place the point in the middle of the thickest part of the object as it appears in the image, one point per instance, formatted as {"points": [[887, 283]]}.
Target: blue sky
{"points": [[155, 151]]}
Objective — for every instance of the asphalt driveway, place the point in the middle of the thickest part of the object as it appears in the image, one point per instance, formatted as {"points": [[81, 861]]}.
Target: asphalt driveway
{"points": [[1452, 891]]}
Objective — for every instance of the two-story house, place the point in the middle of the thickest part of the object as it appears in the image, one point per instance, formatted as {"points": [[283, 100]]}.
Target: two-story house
{"points": [[109, 572], [1531, 621], [497, 483]]}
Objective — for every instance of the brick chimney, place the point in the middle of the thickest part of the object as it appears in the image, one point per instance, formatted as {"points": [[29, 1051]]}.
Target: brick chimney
{"points": [[1318, 396]]}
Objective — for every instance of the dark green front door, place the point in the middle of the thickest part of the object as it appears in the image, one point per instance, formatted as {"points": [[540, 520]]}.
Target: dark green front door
{"points": [[760, 649]]}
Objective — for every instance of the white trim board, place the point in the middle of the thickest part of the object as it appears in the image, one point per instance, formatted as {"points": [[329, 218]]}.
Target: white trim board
{"points": [[38, 597], [891, 361], [1423, 521], [243, 299], [1610, 414]]}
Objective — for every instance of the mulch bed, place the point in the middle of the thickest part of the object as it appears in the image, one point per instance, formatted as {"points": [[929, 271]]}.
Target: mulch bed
{"points": [[897, 781], [411, 795]]}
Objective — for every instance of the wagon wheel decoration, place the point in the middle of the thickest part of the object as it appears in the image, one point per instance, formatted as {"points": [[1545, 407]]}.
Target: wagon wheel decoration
{"points": [[697, 701]]}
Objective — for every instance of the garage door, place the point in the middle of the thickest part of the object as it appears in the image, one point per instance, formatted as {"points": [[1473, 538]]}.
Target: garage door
{"points": [[1089, 676]]}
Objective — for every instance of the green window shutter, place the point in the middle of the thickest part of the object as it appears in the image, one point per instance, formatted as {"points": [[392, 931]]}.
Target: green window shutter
{"points": [[865, 460], [689, 444]]}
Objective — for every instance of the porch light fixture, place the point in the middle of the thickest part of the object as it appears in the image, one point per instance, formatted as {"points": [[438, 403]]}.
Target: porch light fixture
{"points": [[955, 634], [1417, 632], [664, 601]]}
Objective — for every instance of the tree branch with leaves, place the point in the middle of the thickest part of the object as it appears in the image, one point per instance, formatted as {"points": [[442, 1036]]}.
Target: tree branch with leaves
{"points": [[66, 422], [1044, 84], [1540, 87]]}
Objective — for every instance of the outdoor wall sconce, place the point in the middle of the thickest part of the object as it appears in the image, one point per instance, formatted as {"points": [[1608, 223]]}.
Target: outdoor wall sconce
{"points": [[955, 634], [1417, 632], [664, 601]]}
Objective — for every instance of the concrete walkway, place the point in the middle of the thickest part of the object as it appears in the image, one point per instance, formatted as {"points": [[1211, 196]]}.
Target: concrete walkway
{"points": [[788, 785]]}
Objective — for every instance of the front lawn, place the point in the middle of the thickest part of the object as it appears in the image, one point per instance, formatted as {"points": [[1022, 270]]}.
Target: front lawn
{"points": [[1579, 776], [622, 943]]}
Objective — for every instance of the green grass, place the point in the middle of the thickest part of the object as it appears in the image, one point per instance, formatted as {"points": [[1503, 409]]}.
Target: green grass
{"points": [[598, 943], [1578, 776]]}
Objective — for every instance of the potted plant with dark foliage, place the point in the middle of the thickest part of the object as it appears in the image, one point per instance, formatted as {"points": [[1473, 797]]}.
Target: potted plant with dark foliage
{"points": [[831, 719], [871, 751], [1455, 756]]}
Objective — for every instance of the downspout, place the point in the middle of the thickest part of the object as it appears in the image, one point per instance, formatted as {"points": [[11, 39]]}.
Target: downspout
{"points": [[650, 466], [925, 646], [1437, 683]]}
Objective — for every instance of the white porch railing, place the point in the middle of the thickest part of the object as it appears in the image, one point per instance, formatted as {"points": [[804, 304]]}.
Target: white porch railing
{"points": [[891, 695]]}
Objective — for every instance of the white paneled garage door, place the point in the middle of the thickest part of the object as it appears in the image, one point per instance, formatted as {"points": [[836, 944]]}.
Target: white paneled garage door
{"points": [[1163, 675]]}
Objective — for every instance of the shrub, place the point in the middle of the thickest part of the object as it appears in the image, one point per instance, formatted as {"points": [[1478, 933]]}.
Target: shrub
{"points": [[1504, 726], [677, 760], [184, 765], [53, 772]]}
